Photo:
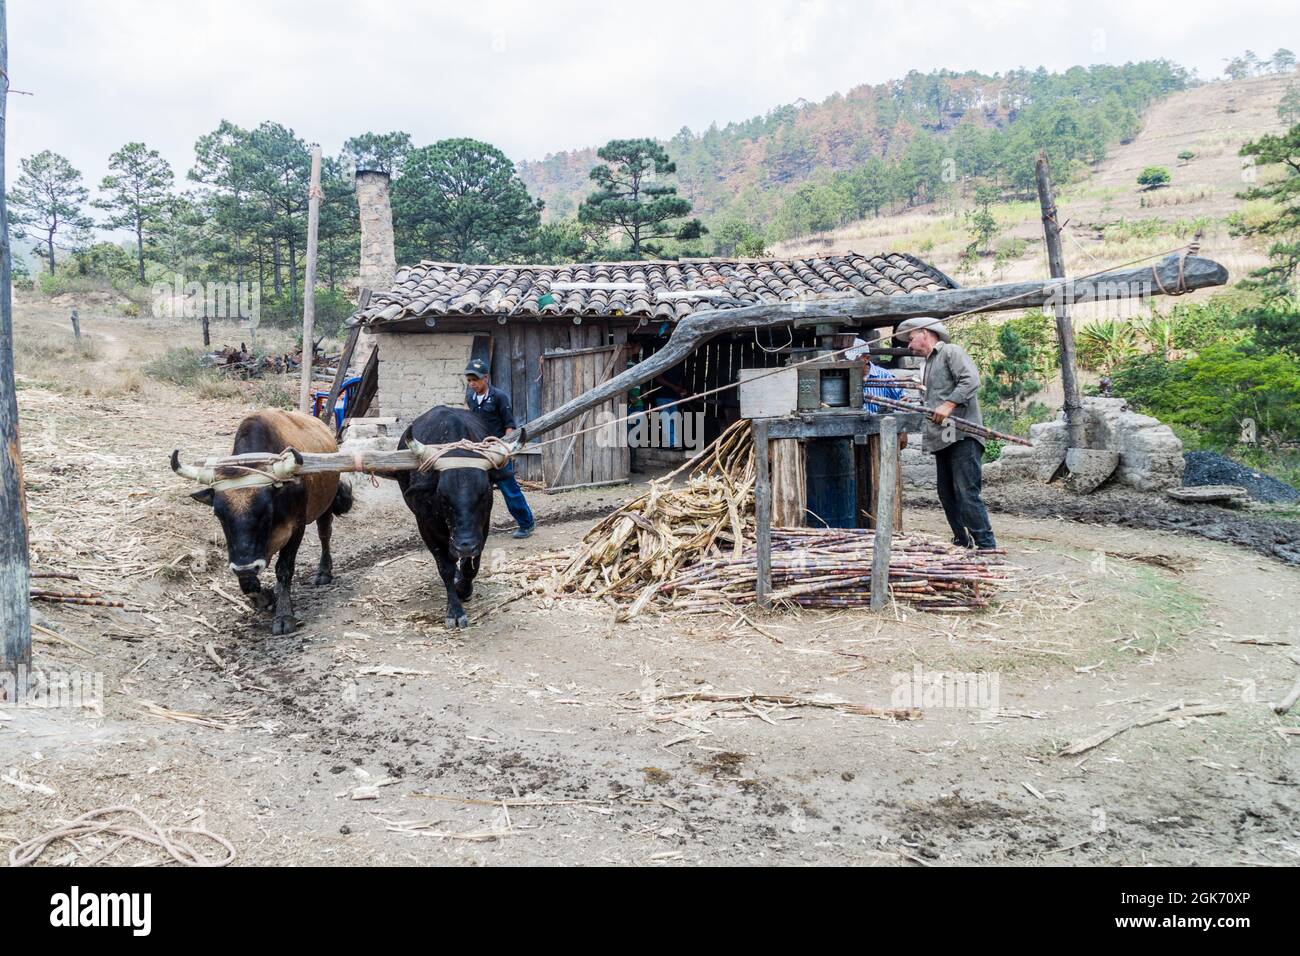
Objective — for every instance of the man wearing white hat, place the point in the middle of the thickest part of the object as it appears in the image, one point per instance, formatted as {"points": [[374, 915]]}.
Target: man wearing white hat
{"points": [[952, 385]]}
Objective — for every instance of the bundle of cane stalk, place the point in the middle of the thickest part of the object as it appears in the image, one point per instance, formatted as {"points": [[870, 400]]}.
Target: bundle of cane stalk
{"points": [[831, 567], [691, 548], [630, 554]]}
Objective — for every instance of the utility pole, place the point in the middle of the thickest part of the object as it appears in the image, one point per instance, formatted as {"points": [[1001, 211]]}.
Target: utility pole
{"points": [[15, 609], [1064, 328], [309, 292]]}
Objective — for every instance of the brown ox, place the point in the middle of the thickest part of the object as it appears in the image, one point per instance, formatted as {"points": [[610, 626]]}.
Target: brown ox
{"points": [[264, 513]]}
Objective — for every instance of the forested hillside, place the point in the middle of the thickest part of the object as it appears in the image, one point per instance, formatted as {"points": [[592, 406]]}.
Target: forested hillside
{"points": [[887, 145]]}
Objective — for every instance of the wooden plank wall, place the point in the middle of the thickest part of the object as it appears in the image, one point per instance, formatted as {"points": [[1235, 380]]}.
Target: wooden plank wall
{"points": [[592, 456], [519, 369]]}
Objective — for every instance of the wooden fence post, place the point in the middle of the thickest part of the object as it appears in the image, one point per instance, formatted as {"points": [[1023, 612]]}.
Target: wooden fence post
{"points": [[15, 607], [1064, 327], [762, 513], [885, 491], [309, 284]]}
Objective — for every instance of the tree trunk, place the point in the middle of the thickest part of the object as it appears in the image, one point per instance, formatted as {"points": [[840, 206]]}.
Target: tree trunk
{"points": [[15, 603], [139, 247]]}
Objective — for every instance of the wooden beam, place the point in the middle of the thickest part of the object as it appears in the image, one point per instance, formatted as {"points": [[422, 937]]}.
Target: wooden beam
{"points": [[693, 331], [1064, 327], [309, 285], [837, 424], [345, 359], [885, 491], [15, 606], [762, 513]]}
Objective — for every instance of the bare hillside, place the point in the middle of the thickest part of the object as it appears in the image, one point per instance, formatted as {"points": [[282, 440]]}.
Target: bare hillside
{"points": [[1110, 219]]}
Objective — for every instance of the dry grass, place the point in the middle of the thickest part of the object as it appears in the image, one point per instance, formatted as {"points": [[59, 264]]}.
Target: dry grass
{"points": [[1204, 192]]}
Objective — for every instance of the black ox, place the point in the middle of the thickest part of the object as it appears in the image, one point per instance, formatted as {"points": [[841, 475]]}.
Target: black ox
{"points": [[452, 505]]}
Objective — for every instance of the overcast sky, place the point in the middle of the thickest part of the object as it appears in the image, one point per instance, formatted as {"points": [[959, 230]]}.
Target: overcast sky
{"points": [[538, 76]]}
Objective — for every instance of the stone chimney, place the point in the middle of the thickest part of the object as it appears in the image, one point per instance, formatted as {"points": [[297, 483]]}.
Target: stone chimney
{"points": [[378, 256]]}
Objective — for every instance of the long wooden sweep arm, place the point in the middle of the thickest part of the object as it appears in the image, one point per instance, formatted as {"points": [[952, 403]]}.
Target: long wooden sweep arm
{"points": [[1173, 274]]}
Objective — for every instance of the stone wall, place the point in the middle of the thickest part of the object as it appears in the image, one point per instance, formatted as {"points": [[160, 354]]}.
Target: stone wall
{"points": [[1150, 454], [420, 370]]}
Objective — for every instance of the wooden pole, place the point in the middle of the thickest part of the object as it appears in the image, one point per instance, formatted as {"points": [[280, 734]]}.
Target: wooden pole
{"points": [[1172, 272], [345, 359], [762, 513], [309, 284], [1064, 327], [15, 609], [885, 492]]}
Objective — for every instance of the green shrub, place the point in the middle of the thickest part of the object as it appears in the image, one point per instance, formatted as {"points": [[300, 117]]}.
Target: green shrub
{"points": [[274, 393], [178, 366], [1210, 395], [1153, 177]]}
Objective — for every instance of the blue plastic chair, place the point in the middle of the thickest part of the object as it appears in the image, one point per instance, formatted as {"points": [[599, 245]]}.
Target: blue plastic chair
{"points": [[347, 395]]}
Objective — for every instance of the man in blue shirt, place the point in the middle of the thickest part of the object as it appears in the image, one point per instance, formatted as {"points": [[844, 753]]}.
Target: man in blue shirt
{"points": [[493, 406], [871, 371]]}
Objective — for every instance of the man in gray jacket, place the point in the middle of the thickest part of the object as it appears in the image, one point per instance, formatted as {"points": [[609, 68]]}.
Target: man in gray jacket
{"points": [[952, 384]]}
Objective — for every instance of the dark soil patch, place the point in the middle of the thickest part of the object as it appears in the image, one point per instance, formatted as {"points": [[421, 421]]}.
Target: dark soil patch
{"points": [[1135, 509], [1207, 468]]}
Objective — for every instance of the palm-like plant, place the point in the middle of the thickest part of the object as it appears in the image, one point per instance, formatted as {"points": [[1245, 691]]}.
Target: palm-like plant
{"points": [[1105, 344], [1157, 333]]}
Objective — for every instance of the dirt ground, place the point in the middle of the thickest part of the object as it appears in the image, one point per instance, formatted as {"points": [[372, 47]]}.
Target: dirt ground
{"points": [[541, 735]]}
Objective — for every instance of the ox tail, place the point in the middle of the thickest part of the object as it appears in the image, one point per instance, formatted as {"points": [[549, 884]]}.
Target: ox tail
{"points": [[342, 499]]}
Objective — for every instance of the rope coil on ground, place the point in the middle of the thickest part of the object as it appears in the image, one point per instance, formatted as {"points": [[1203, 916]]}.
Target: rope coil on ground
{"points": [[93, 822]]}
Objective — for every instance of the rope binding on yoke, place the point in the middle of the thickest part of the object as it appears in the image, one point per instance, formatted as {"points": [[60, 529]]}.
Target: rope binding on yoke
{"points": [[488, 454]]}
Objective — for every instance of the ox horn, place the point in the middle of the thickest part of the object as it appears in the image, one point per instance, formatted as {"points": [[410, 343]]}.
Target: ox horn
{"points": [[422, 453], [203, 476], [287, 465]]}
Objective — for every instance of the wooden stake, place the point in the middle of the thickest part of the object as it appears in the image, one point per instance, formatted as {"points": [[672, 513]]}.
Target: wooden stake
{"points": [[15, 611], [1064, 327], [762, 512], [884, 512], [309, 283], [345, 359]]}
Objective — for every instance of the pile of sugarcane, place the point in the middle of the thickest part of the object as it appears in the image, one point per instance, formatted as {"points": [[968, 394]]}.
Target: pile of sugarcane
{"points": [[831, 567], [629, 554], [691, 548]]}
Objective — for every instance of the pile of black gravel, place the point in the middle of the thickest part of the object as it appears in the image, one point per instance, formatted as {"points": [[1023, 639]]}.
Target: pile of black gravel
{"points": [[1207, 468]]}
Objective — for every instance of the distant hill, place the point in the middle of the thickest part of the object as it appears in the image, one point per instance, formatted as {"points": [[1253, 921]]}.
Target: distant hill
{"points": [[749, 168], [1109, 218]]}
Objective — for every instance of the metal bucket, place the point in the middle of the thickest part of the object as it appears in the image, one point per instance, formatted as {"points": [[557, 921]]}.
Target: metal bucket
{"points": [[835, 388]]}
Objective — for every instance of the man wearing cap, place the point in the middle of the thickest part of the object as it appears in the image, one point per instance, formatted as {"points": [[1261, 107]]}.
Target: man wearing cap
{"points": [[493, 406], [952, 384]]}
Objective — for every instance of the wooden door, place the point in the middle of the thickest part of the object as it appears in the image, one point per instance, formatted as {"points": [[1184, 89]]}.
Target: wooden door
{"points": [[594, 456]]}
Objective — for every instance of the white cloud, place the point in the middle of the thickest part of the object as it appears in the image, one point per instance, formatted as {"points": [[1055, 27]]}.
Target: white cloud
{"points": [[537, 77]]}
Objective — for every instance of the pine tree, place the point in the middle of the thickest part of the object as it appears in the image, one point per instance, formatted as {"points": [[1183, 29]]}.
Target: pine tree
{"points": [[48, 198], [1010, 375], [137, 189], [631, 199], [460, 200]]}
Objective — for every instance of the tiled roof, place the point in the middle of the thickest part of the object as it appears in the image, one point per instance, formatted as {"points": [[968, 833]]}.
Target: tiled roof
{"points": [[444, 289]]}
